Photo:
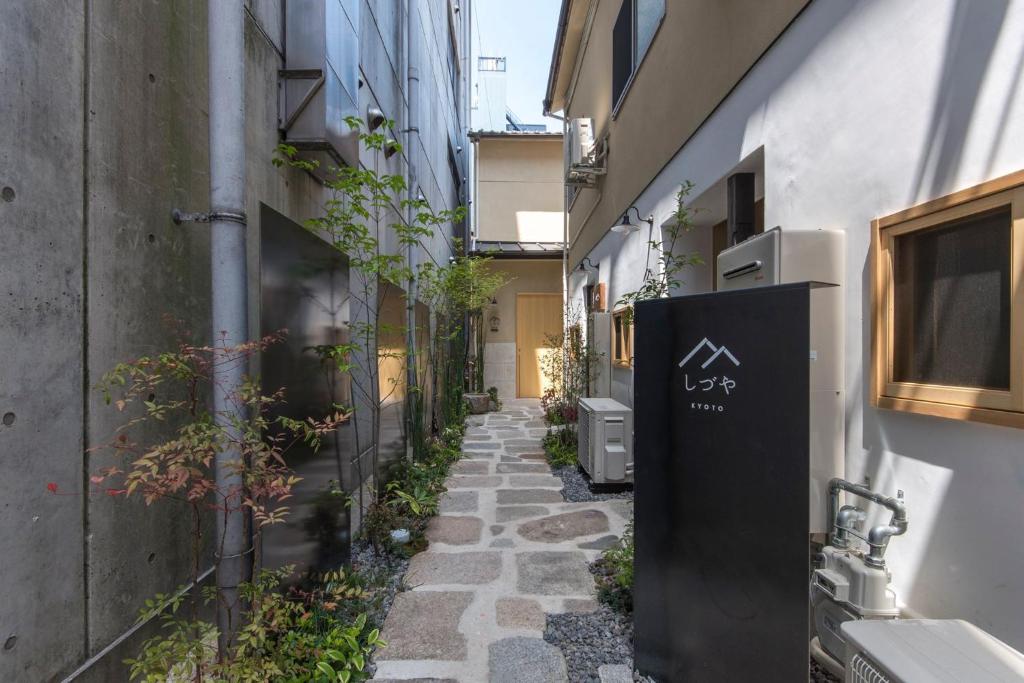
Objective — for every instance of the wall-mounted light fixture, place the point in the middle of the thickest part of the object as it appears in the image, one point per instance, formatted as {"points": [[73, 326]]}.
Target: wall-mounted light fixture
{"points": [[495, 323], [627, 227], [374, 118], [391, 148]]}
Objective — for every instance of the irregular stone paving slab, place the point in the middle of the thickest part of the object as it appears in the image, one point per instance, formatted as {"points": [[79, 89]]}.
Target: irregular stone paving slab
{"points": [[471, 467], [483, 446], [459, 501], [523, 467], [523, 442], [521, 450], [507, 514], [454, 530], [528, 496], [497, 529], [535, 455], [579, 605], [615, 673], [526, 660], [519, 613], [503, 543], [469, 568], [623, 508], [425, 625], [472, 481], [602, 543], [534, 480], [564, 527], [509, 458], [480, 455], [553, 572]]}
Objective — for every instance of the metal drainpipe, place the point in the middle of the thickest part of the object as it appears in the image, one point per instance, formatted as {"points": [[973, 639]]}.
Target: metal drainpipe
{"points": [[228, 286], [412, 130], [565, 255]]}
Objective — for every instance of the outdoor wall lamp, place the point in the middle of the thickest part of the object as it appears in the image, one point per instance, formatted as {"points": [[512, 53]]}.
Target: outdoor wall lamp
{"points": [[375, 118], [391, 148], [627, 227]]}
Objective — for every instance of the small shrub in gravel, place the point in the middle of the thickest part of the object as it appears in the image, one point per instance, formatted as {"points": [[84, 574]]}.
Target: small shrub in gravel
{"points": [[613, 573], [576, 486]]}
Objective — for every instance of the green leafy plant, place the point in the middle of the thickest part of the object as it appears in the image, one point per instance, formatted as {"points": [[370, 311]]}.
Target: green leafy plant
{"points": [[613, 573], [666, 275], [492, 392], [561, 446]]}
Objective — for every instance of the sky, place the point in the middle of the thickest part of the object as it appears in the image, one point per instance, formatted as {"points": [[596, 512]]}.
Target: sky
{"points": [[524, 32]]}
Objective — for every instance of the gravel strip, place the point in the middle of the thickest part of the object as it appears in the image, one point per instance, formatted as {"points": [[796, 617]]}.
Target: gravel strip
{"points": [[576, 486], [591, 639], [383, 574]]}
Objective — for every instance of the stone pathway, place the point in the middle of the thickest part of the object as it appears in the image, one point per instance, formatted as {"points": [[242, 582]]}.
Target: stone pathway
{"points": [[505, 550]]}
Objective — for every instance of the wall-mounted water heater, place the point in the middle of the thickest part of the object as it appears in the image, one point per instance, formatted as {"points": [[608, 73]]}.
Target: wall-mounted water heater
{"points": [[784, 256]]}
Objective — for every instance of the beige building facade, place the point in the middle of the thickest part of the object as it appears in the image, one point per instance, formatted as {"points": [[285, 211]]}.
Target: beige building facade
{"points": [[877, 120], [518, 221]]}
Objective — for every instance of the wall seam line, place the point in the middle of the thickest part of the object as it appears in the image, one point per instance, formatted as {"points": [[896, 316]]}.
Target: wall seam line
{"points": [[86, 460]]}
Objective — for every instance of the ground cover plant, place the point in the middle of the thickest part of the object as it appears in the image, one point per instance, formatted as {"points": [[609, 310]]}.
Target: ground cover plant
{"points": [[613, 573]]}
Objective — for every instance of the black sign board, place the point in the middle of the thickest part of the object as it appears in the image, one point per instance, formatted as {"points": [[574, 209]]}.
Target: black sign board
{"points": [[721, 439]]}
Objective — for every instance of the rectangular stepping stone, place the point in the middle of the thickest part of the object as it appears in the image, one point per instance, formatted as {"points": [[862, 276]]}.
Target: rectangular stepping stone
{"points": [[534, 480], [472, 481], [509, 513], [552, 572], [526, 467], [425, 625], [459, 501], [528, 496], [519, 450], [510, 458], [564, 527], [454, 530], [534, 455], [519, 613], [579, 605], [471, 467], [523, 442], [525, 660], [469, 568]]}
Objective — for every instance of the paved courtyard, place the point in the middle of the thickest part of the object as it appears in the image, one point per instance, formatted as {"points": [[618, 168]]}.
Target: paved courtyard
{"points": [[505, 550]]}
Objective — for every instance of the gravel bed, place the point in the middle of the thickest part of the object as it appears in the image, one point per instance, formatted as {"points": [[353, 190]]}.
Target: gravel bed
{"points": [[383, 574], [591, 639], [576, 486], [820, 675]]}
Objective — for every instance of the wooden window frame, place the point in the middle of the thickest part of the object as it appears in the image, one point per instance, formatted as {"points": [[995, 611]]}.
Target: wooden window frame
{"points": [[620, 316], [964, 403]]}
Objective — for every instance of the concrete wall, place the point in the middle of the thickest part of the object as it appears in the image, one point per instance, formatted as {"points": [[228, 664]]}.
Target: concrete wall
{"points": [[700, 51], [519, 191], [860, 110], [105, 105], [527, 276]]}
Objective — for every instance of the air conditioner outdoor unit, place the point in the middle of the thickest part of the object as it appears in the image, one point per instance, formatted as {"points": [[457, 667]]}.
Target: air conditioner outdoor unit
{"points": [[927, 651], [606, 440], [582, 165]]}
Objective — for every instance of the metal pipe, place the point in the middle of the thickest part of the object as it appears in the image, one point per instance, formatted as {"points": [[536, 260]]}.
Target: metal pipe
{"points": [[412, 130], [878, 537], [849, 517], [226, 24]]}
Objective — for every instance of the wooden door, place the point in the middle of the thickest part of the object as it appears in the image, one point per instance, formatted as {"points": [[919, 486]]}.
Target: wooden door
{"points": [[537, 316]]}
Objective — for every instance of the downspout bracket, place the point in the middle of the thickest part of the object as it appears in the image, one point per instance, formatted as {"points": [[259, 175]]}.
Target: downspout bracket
{"points": [[179, 217]]}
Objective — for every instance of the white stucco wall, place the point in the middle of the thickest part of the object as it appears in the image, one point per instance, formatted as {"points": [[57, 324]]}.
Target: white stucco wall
{"points": [[863, 109]]}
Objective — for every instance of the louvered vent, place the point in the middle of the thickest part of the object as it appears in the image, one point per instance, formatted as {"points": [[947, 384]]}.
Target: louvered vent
{"points": [[863, 670]]}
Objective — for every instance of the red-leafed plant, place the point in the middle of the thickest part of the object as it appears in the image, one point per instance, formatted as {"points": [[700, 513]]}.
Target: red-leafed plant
{"points": [[175, 464]]}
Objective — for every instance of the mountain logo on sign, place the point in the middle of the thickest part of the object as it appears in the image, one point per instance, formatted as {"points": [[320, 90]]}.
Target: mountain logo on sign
{"points": [[715, 353]]}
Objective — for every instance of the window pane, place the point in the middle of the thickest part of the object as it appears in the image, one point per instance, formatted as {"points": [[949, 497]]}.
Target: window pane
{"points": [[952, 303], [622, 50], [648, 16]]}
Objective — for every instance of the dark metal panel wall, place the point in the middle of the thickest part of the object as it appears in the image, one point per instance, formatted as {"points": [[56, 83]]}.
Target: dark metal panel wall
{"points": [[304, 285], [721, 410]]}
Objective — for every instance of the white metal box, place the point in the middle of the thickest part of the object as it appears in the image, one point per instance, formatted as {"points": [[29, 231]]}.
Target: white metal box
{"points": [[782, 256], [606, 440]]}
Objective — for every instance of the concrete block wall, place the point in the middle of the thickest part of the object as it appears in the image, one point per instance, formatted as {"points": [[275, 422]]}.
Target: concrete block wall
{"points": [[500, 368], [106, 112]]}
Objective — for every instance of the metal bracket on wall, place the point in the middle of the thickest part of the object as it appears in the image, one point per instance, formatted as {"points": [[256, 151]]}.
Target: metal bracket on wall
{"points": [[179, 217], [315, 75]]}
